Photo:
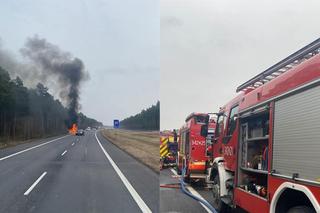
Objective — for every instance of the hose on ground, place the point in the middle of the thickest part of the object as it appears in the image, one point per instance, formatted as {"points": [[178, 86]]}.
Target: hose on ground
{"points": [[184, 190]]}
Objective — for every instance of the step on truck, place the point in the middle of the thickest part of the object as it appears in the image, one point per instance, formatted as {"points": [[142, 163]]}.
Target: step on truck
{"points": [[265, 155]]}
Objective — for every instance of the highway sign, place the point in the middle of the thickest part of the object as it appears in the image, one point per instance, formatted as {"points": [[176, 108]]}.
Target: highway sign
{"points": [[116, 124]]}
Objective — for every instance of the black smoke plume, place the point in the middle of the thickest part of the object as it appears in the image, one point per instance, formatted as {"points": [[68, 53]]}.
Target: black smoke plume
{"points": [[68, 70]]}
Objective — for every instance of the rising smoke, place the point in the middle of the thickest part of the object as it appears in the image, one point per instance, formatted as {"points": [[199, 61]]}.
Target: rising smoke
{"points": [[47, 63], [53, 62]]}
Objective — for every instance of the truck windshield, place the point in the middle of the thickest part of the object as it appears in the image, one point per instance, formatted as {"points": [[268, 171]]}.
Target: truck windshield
{"points": [[201, 119]]}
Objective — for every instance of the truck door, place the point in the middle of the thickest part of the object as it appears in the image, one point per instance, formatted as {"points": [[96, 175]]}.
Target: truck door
{"points": [[230, 139], [217, 151]]}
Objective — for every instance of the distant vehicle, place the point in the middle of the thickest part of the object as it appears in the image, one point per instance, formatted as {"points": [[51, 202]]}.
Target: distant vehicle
{"points": [[88, 128], [80, 132]]}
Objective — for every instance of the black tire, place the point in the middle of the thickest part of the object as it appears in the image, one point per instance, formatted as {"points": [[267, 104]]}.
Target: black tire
{"points": [[218, 204], [301, 209]]}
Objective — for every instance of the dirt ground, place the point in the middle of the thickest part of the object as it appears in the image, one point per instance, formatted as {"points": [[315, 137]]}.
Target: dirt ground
{"points": [[142, 145]]}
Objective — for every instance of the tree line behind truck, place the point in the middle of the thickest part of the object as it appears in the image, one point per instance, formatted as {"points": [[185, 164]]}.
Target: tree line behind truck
{"points": [[265, 146], [27, 113], [148, 119]]}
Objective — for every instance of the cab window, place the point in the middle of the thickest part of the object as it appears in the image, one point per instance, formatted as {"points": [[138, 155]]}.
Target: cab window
{"points": [[219, 127], [232, 123]]}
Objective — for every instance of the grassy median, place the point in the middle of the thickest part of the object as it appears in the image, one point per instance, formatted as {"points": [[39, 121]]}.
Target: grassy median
{"points": [[142, 145]]}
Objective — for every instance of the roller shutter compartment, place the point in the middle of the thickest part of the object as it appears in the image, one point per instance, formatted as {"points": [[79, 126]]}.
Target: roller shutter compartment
{"points": [[296, 145]]}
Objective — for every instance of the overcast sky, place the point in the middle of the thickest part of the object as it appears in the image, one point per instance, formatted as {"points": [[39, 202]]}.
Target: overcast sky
{"points": [[209, 47], [118, 41]]}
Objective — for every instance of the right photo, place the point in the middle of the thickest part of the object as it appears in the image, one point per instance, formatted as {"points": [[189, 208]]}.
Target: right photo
{"points": [[240, 115]]}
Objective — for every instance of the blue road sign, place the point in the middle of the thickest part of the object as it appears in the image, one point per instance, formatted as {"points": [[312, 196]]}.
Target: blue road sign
{"points": [[116, 124]]}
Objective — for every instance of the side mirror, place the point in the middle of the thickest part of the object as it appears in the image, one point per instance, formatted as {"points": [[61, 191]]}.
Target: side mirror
{"points": [[204, 130]]}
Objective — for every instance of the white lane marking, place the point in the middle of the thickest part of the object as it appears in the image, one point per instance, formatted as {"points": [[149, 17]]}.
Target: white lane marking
{"points": [[63, 153], [193, 191], [174, 171], [72, 144], [34, 184], [143, 206], [17, 153]]}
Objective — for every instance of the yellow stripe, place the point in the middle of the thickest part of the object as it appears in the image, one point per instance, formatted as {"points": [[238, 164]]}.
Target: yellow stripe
{"points": [[198, 163], [163, 148], [163, 139], [164, 144], [164, 153]]}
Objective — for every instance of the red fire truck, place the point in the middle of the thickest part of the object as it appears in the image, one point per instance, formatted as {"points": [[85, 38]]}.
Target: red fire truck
{"points": [[267, 140], [192, 147]]}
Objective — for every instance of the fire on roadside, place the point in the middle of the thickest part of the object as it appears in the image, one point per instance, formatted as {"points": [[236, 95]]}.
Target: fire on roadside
{"points": [[73, 130]]}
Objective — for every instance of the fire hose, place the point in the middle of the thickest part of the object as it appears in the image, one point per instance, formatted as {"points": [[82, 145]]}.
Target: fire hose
{"points": [[184, 190]]}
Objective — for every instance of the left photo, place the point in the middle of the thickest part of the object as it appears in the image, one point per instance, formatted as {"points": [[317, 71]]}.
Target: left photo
{"points": [[79, 106]]}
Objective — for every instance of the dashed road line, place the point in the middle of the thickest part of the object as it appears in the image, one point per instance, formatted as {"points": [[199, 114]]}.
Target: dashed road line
{"points": [[20, 152], [34, 184], [63, 153]]}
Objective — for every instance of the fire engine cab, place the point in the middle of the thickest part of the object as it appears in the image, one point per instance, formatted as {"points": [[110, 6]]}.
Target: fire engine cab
{"points": [[193, 147], [267, 141]]}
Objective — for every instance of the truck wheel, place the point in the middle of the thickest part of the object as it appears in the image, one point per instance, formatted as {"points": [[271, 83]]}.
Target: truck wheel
{"points": [[218, 204], [301, 209]]}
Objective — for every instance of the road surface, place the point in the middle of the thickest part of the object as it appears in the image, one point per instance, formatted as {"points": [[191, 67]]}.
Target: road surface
{"points": [[75, 174], [173, 200]]}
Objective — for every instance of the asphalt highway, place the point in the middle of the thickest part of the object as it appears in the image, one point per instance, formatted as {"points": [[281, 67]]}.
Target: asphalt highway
{"points": [[173, 200], [75, 174]]}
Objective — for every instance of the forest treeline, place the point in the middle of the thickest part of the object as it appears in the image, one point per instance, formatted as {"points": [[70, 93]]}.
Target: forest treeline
{"points": [[27, 113], [147, 119]]}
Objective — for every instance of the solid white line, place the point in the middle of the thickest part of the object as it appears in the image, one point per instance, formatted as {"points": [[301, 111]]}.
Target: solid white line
{"points": [[72, 144], [17, 153], [34, 184], [65, 151], [143, 206], [193, 191], [173, 171]]}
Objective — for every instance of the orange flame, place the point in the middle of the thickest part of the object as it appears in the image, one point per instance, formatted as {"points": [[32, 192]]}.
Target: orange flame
{"points": [[73, 130]]}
